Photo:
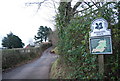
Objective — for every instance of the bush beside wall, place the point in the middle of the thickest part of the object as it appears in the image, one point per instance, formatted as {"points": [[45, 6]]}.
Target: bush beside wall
{"points": [[12, 57]]}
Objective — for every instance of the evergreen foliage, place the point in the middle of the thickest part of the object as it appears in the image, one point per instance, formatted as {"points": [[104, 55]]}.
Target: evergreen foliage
{"points": [[42, 34], [12, 41]]}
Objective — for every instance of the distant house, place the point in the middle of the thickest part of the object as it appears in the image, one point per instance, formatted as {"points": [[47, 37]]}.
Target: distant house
{"points": [[3, 48], [28, 46]]}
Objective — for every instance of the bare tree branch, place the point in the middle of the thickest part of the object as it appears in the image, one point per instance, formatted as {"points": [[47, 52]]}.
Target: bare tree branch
{"points": [[39, 5], [76, 6], [55, 7], [87, 3], [95, 4], [90, 6], [93, 10]]}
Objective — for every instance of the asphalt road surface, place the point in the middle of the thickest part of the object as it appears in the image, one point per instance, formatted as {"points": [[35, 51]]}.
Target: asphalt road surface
{"points": [[38, 69]]}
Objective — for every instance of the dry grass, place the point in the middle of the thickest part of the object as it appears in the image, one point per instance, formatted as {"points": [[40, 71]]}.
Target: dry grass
{"points": [[59, 70], [55, 50]]}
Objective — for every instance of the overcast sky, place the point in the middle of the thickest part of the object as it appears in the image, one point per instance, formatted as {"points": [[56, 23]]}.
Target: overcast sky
{"points": [[22, 20]]}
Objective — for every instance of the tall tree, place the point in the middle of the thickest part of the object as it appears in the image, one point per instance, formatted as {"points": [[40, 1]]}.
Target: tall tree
{"points": [[42, 34], [12, 41]]}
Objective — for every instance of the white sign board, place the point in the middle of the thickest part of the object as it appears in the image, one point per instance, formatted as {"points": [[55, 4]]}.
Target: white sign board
{"points": [[99, 28], [100, 37]]}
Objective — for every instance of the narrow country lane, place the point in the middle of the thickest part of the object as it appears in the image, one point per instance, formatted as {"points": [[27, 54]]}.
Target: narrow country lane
{"points": [[38, 69]]}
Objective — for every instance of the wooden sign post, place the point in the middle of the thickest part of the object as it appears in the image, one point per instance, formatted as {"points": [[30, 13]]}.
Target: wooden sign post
{"points": [[100, 41], [101, 64]]}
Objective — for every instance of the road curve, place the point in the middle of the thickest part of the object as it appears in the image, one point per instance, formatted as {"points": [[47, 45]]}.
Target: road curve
{"points": [[38, 69]]}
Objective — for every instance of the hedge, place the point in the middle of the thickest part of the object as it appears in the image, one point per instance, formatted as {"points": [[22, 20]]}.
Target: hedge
{"points": [[12, 57]]}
